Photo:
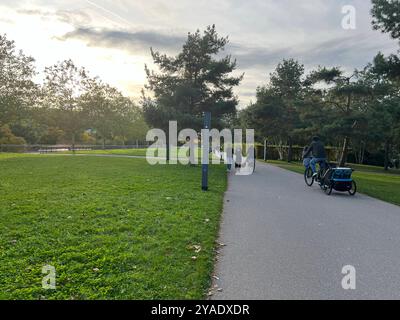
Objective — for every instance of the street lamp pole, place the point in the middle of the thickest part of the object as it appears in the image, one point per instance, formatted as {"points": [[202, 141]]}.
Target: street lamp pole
{"points": [[205, 140]]}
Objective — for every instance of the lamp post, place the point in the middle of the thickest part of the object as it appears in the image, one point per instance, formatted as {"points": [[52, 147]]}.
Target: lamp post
{"points": [[205, 141]]}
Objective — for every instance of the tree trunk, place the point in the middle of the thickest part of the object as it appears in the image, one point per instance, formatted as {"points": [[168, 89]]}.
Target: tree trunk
{"points": [[338, 152], [280, 151], [362, 153], [343, 157], [265, 149], [387, 155], [104, 143], [290, 150]]}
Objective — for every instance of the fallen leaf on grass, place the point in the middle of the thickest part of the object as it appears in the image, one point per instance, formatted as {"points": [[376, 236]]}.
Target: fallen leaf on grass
{"points": [[195, 247]]}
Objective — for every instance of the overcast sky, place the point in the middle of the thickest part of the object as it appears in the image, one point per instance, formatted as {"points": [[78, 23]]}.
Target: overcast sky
{"points": [[112, 38]]}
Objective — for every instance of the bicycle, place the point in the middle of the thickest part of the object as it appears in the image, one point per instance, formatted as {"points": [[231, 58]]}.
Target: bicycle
{"points": [[309, 174]]}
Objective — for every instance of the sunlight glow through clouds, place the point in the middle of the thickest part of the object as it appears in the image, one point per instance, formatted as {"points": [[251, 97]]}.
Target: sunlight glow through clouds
{"points": [[38, 36], [112, 38]]}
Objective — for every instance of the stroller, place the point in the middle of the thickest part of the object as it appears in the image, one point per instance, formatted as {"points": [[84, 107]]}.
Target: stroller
{"points": [[338, 179]]}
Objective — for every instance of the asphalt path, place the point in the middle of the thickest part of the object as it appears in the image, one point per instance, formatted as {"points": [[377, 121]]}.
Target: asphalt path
{"points": [[284, 240]]}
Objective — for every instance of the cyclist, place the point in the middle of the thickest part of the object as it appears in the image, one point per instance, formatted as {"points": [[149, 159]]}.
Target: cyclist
{"points": [[318, 152], [306, 157]]}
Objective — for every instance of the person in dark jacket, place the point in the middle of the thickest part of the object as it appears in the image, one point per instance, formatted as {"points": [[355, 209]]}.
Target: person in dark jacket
{"points": [[317, 149]]}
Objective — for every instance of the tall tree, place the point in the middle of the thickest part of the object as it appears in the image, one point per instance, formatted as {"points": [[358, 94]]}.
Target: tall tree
{"points": [[383, 110], [287, 83], [17, 90], [132, 127], [342, 96], [287, 80], [108, 112], [268, 117], [275, 113], [63, 88], [194, 81], [102, 106], [386, 16]]}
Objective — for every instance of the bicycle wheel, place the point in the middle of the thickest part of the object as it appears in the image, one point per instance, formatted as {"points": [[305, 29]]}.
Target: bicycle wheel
{"points": [[308, 177], [353, 189], [328, 189]]}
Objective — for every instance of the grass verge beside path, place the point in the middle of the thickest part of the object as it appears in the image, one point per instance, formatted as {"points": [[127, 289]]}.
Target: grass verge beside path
{"points": [[125, 152], [114, 228], [139, 153], [370, 180]]}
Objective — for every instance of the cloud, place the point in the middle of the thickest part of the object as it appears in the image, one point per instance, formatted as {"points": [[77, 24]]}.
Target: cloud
{"points": [[134, 42], [73, 17], [250, 57], [313, 37], [262, 32], [33, 12], [351, 51]]}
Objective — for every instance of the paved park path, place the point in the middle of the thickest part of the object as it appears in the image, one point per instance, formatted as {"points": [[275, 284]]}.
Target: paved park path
{"points": [[285, 240]]}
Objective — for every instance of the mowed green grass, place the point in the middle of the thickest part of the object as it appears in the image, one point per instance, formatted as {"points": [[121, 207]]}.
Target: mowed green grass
{"points": [[372, 181], [125, 152], [154, 152], [114, 228]]}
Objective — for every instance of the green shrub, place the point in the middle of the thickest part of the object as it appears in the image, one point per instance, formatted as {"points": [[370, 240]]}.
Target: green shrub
{"points": [[9, 142]]}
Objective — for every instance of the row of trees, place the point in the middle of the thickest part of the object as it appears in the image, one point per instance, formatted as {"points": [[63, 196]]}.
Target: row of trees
{"points": [[191, 83], [69, 106], [358, 112]]}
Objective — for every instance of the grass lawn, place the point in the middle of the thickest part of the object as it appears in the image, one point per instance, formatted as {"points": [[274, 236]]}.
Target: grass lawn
{"points": [[372, 181], [114, 228], [136, 152], [125, 152]]}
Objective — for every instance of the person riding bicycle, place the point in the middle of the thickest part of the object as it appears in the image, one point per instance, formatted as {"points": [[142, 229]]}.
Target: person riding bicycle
{"points": [[317, 149], [306, 155]]}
